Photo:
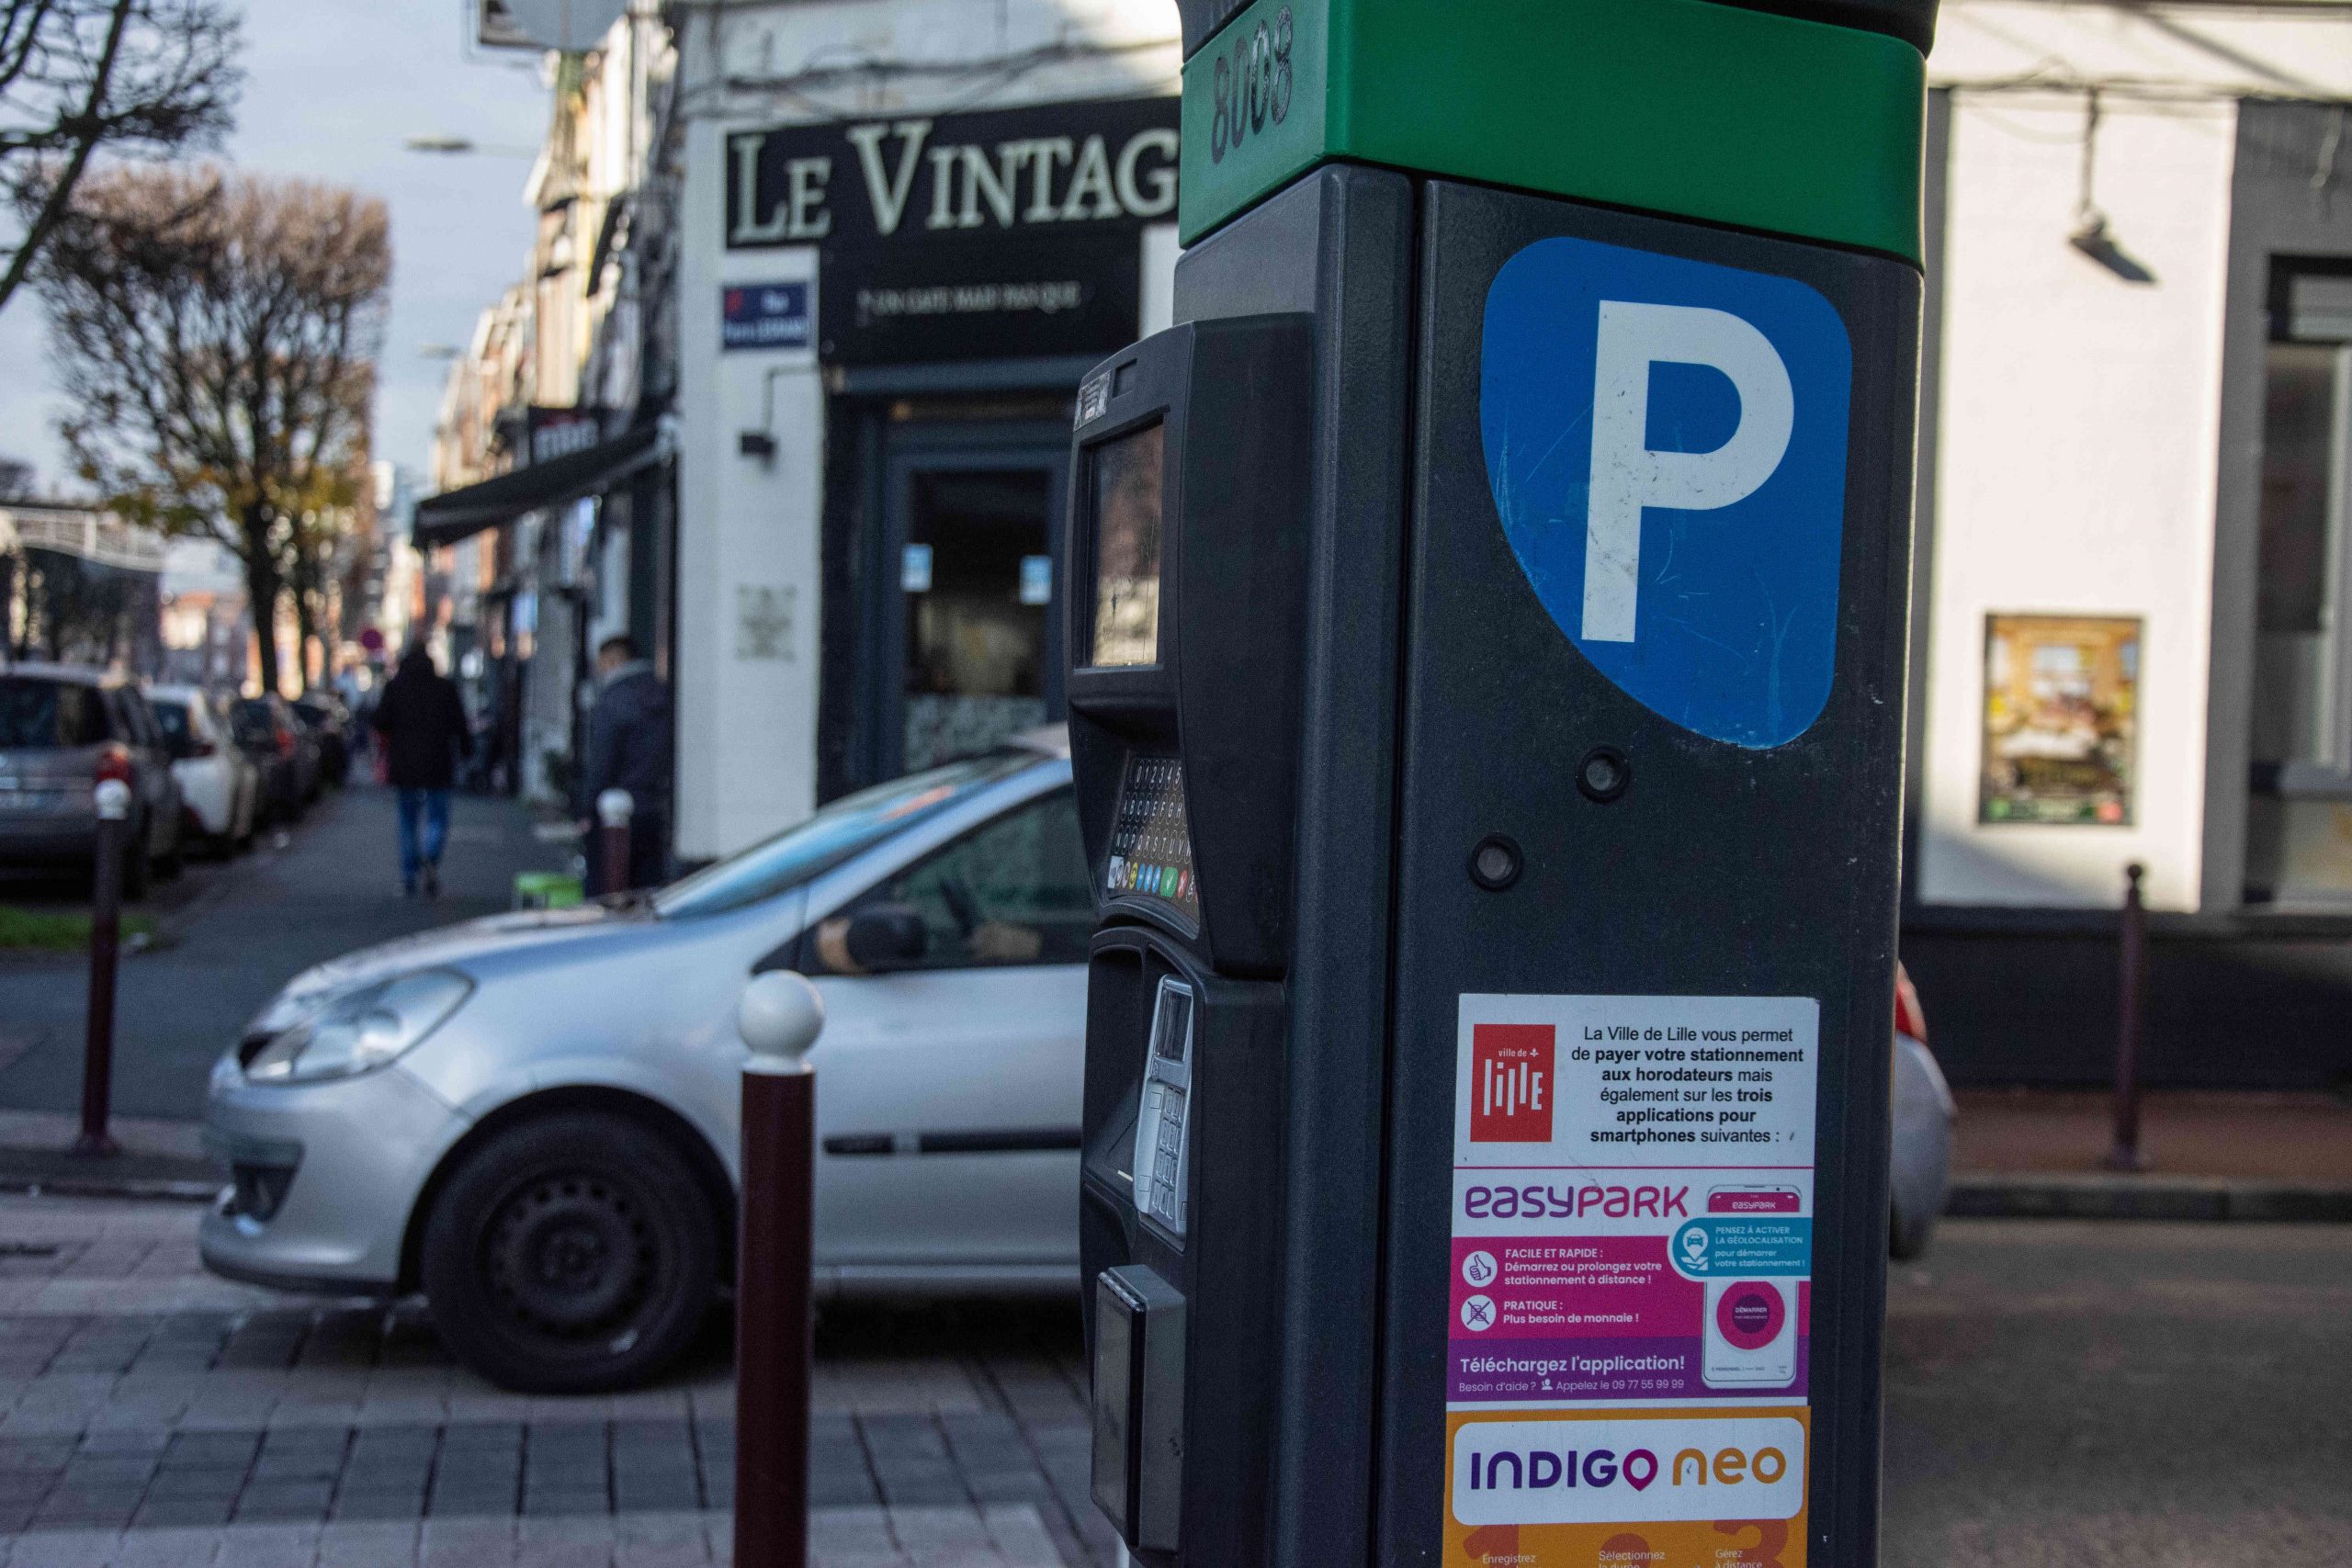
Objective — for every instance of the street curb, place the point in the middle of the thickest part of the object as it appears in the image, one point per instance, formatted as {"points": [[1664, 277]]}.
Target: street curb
{"points": [[50, 1170], [2099, 1197], [126, 1188]]}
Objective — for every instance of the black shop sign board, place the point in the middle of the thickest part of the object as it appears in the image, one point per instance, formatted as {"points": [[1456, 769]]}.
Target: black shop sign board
{"points": [[991, 235]]}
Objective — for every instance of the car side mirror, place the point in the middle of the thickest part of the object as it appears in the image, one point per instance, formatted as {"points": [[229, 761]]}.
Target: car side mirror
{"points": [[887, 936]]}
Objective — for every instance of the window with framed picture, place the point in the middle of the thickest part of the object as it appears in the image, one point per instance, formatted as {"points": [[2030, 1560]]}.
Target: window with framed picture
{"points": [[2061, 720]]}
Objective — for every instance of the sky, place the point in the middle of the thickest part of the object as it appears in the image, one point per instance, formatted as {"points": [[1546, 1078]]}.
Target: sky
{"points": [[333, 87]]}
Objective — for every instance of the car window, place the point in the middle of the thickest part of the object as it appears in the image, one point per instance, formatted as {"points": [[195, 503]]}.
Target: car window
{"points": [[29, 714], [848, 827], [1013, 890], [138, 720], [171, 718], [81, 715], [251, 722]]}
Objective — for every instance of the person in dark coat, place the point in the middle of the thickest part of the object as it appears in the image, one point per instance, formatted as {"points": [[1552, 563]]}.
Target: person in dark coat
{"points": [[423, 722], [629, 748]]}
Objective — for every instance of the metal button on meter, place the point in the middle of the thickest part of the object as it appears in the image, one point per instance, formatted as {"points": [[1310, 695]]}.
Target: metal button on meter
{"points": [[1162, 1144]]}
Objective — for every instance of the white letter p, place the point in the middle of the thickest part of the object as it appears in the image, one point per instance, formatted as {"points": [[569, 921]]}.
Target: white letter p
{"points": [[1627, 475]]}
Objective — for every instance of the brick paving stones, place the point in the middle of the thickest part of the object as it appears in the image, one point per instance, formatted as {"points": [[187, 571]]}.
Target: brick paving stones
{"points": [[148, 1418], [839, 1538]]}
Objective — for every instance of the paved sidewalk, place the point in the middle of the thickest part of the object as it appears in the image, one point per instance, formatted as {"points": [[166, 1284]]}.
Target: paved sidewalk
{"points": [[333, 886], [2040, 1153], [153, 1415]]}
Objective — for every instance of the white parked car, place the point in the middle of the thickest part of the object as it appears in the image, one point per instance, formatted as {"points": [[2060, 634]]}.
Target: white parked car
{"points": [[533, 1118], [219, 787]]}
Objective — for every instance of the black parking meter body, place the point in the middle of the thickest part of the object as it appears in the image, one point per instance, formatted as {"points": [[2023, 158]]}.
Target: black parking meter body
{"points": [[1185, 696], [1494, 799]]}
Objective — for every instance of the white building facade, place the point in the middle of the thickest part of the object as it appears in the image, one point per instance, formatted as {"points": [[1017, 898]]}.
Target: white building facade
{"points": [[906, 228], [2130, 645]]}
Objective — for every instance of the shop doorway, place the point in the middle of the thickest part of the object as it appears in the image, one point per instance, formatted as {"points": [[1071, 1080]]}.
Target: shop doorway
{"points": [[967, 642]]}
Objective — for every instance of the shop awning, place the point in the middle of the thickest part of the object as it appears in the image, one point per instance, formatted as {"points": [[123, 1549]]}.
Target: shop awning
{"points": [[456, 515]]}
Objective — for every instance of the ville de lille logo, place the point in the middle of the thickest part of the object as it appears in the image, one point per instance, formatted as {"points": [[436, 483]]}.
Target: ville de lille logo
{"points": [[1511, 1080]]}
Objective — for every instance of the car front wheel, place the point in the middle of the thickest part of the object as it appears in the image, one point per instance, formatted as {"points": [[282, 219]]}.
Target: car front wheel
{"points": [[572, 1254]]}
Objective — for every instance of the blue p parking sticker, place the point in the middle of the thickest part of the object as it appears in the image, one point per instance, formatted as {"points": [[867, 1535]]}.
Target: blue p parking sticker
{"points": [[1665, 439]]}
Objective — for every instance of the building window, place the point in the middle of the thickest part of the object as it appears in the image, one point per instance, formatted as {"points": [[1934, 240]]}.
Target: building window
{"points": [[2300, 811]]}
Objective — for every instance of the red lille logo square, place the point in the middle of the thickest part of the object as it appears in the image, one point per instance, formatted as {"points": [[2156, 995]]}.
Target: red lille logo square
{"points": [[1510, 1078]]}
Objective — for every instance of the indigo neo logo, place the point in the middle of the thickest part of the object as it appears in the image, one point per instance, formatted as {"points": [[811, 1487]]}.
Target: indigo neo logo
{"points": [[1628, 1469], [1666, 442]]}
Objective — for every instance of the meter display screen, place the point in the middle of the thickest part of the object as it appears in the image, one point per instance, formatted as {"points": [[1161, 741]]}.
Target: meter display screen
{"points": [[1152, 840], [1126, 549]]}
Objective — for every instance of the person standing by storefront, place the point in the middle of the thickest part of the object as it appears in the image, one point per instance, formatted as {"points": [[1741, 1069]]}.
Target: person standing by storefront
{"points": [[629, 748], [423, 722]]}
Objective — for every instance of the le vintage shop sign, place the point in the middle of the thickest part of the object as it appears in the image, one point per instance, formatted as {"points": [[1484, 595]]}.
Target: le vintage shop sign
{"points": [[1089, 165]]}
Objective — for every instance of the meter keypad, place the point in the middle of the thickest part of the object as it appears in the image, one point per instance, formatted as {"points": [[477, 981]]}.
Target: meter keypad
{"points": [[1165, 1200], [1161, 1145], [1152, 840]]}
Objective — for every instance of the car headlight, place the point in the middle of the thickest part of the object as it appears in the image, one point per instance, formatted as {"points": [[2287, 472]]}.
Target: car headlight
{"points": [[361, 1030], [303, 996]]}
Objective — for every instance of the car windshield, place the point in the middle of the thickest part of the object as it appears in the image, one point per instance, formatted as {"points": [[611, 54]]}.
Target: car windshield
{"points": [[852, 824], [171, 718], [38, 715], [252, 720]]}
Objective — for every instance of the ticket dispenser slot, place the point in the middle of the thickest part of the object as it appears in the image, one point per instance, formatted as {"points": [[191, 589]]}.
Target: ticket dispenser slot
{"points": [[1187, 562], [1138, 1404]]}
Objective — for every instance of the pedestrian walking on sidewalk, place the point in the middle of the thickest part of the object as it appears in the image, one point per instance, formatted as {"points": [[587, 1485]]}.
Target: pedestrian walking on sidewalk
{"points": [[423, 722], [629, 748]]}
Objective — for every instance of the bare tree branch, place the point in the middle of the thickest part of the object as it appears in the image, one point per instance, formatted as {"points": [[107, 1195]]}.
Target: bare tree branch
{"points": [[217, 335], [141, 78]]}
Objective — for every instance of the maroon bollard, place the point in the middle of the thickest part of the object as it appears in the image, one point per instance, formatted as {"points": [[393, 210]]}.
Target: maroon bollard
{"points": [[614, 808], [779, 1017], [112, 799], [2131, 973]]}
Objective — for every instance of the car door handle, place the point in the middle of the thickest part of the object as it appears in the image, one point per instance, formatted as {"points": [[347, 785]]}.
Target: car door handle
{"points": [[986, 1141]]}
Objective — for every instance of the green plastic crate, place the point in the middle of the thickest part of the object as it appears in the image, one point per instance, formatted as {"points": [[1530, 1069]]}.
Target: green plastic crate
{"points": [[547, 890]]}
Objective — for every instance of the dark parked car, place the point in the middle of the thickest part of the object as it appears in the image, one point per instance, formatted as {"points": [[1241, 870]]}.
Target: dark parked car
{"points": [[62, 728], [329, 722], [283, 748]]}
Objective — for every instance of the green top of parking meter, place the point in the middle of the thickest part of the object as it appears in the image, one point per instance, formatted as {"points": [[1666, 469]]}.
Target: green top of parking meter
{"points": [[1686, 107]]}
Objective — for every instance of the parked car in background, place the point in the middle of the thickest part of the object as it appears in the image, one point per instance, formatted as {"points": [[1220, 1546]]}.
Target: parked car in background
{"points": [[62, 728], [219, 786], [329, 722], [282, 749], [1922, 1111], [533, 1117]]}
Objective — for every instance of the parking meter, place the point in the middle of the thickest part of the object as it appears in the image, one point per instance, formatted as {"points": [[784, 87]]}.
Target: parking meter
{"points": [[1487, 635]]}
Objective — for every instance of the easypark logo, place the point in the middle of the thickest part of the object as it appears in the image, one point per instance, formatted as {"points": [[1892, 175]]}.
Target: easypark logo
{"points": [[1510, 1083], [1630, 1471]]}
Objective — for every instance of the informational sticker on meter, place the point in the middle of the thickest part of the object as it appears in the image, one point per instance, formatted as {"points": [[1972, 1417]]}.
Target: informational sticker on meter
{"points": [[1666, 442], [1631, 1279]]}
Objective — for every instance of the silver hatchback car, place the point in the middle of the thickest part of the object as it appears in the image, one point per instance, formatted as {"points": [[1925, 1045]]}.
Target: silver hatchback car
{"points": [[533, 1117]]}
